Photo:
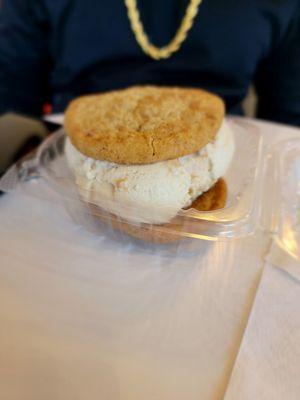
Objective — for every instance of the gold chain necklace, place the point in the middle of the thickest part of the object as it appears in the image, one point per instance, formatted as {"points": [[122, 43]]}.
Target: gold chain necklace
{"points": [[141, 37]]}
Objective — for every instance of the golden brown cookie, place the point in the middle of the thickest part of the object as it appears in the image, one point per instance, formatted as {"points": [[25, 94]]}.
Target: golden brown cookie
{"points": [[213, 199], [144, 124]]}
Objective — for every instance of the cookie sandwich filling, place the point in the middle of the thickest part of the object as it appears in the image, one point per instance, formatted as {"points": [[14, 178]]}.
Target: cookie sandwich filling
{"points": [[152, 193]]}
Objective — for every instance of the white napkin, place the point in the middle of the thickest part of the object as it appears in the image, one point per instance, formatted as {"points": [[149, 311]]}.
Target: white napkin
{"points": [[268, 363]]}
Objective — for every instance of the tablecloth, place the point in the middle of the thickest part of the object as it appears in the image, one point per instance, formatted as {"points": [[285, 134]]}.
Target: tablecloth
{"points": [[83, 318]]}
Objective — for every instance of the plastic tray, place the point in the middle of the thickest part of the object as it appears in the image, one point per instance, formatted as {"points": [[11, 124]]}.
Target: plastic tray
{"points": [[237, 219]]}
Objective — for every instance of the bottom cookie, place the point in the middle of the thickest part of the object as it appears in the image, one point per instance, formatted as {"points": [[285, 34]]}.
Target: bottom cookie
{"points": [[213, 199]]}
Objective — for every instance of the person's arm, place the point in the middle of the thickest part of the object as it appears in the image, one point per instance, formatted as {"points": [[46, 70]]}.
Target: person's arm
{"points": [[277, 80], [24, 57]]}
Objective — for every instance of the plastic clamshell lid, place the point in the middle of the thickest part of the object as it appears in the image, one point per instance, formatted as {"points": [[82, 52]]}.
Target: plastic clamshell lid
{"points": [[237, 219], [282, 202]]}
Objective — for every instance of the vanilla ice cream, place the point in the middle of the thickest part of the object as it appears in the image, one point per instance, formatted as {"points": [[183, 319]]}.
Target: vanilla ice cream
{"points": [[151, 193]]}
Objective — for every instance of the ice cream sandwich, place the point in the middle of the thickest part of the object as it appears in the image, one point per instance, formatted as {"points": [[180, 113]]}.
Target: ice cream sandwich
{"points": [[144, 153]]}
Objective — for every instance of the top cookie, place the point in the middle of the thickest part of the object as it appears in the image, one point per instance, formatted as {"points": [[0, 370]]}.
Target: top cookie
{"points": [[144, 124]]}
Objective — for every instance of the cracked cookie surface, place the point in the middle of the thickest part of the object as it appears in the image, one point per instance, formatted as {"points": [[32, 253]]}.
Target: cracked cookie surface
{"points": [[144, 124]]}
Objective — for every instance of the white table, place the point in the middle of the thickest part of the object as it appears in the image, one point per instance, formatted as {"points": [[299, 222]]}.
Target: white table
{"points": [[81, 318]]}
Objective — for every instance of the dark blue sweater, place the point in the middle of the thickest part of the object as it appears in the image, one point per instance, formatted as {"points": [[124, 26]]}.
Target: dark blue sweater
{"points": [[54, 50]]}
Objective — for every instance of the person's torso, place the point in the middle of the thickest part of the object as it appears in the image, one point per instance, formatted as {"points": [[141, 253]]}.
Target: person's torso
{"points": [[93, 47]]}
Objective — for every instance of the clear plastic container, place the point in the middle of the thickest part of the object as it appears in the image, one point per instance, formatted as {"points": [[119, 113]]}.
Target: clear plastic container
{"points": [[282, 200], [239, 217]]}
